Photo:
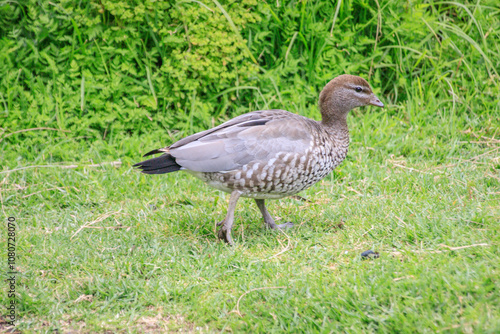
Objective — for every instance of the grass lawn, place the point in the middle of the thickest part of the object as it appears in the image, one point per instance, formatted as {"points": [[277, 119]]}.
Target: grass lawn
{"points": [[106, 249]]}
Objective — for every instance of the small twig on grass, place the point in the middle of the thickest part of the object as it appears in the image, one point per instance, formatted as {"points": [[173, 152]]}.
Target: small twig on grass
{"points": [[99, 219], [237, 310], [112, 163], [404, 277], [462, 247]]}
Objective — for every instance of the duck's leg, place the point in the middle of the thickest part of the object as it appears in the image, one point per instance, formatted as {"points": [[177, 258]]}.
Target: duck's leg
{"points": [[267, 217], [224, 232]]}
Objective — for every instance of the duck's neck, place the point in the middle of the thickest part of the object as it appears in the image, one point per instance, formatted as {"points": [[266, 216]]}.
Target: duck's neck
{"points": [[336, 124]]}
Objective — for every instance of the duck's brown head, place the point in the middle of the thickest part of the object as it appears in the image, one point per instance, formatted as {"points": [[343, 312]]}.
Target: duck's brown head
{"points": [[344, 93]]}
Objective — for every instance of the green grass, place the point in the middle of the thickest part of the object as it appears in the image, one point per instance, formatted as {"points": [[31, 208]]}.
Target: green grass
{"points": [[164, 269], [102, 248]]}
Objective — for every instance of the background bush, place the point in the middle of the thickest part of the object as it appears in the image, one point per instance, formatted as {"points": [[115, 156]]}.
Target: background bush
{"points": [[110, 72]]}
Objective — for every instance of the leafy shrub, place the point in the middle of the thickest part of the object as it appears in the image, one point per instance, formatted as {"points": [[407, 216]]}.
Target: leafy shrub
{"points": [[138, 65]]}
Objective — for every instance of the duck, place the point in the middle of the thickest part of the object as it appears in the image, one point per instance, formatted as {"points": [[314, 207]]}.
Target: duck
{"points": [[268, 154]]}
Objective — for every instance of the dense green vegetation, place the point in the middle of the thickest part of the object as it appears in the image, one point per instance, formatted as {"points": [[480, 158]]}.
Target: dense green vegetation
{"points": [[114, 70], [89, 83]]}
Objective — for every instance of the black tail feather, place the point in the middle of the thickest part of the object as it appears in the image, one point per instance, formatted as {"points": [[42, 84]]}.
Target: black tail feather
{"points": [[158, 150], [163, 164]]}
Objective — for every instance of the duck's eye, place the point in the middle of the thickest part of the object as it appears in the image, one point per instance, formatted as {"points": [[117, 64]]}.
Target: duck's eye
{"points": [[358, 89]]}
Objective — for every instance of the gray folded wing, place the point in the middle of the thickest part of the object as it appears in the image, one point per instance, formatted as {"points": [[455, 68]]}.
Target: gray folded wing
{"points": [[256, 136]]}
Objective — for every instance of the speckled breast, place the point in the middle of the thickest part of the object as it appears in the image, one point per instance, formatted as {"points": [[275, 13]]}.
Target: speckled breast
{"points": [[283, 174]]}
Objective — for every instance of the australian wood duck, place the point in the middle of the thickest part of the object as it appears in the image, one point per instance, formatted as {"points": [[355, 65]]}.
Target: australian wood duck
{"points": [[268, 154]]}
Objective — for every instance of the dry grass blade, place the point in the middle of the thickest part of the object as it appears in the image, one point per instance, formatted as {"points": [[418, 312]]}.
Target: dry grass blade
{"points": [[99, 219], [401, 220], [237, 310], [463, 247], [493, 140], [112, 163], [354, 190], [287, 248]]}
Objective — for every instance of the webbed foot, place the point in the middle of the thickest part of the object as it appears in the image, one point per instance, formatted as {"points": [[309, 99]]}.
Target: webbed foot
{"points": [[224, 233]]}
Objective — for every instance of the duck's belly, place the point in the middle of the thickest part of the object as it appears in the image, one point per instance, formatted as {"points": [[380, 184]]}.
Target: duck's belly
{"points": [[284, 175]]}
